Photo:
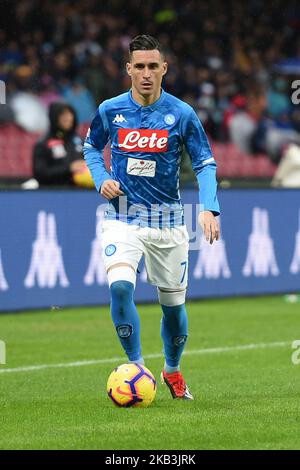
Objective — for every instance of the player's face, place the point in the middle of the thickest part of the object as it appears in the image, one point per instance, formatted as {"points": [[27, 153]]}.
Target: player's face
{"points": [[146, 70]]}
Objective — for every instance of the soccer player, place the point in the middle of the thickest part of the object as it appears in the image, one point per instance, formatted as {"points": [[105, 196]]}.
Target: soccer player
{"points": [[147, 129]]}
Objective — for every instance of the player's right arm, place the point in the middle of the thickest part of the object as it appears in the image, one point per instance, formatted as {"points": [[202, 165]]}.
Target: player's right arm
{"points": [[204, 166], [93, 148]]}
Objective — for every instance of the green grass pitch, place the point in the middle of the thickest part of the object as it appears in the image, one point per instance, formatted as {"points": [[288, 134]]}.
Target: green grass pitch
{"points": [[245, 398]]}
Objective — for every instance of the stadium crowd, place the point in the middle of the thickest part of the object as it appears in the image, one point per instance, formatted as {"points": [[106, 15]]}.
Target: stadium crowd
{"points": [[233, 61]]}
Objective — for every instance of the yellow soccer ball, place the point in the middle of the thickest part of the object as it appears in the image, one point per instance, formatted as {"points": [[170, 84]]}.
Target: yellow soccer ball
{"points": [[131, 385], [83, 178]]}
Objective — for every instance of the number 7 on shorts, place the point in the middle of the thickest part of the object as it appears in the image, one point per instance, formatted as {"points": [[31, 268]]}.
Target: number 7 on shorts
{"points": [[184, 264]]}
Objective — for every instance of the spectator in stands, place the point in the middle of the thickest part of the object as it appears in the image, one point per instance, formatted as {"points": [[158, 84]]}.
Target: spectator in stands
{"points": [[6, 114], [47, 91], [28, 110], [279, 127], [279, 102], [81, 99], [29, 113], [245, 121], [58, 155], [214, 61], [95, 79]]}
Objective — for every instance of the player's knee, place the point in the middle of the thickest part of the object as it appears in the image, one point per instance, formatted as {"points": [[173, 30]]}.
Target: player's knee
{"points": [[171, 297], [120, 273], [122, 291]]}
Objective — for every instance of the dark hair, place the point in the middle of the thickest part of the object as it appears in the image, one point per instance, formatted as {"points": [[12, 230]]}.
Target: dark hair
{"points": [[144, 42]]}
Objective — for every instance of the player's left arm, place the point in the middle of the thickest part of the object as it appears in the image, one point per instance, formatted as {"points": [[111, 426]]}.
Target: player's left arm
{"points": [[204, 166]]}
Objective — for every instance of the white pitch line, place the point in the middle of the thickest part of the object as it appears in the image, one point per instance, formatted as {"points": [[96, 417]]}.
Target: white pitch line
{"points": [[149, 356]]}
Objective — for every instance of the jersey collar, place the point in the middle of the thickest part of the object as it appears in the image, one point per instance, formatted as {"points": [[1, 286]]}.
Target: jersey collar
{"points": [[151, 106]]}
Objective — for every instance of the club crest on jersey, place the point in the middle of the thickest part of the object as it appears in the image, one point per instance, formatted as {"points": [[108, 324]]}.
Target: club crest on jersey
{"points": [[169, 119], [143, 140], [119, 118]]}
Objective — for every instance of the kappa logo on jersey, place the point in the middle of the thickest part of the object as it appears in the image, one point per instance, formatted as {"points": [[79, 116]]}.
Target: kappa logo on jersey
{"points": [[119, 118], [143, 140]]}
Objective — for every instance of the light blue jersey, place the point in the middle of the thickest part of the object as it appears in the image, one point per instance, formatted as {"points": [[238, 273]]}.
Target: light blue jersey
{"points": [[146, 149]]}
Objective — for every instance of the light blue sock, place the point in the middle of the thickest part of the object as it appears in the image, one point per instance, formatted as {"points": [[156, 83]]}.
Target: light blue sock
{"points": [[126, 319], [174, 328]]}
